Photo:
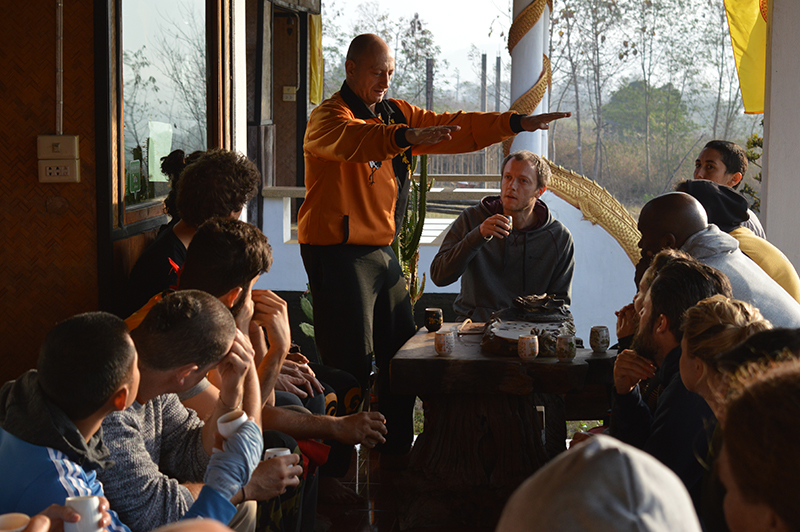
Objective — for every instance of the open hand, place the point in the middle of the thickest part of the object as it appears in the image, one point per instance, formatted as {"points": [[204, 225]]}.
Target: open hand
{"points": [[534, 122], [430, 135], [630, 369]]}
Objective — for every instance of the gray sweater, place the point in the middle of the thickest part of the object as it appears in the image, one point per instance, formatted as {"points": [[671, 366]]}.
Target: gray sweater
{"points": [[537, 260], [156, 447], [749, 282]]}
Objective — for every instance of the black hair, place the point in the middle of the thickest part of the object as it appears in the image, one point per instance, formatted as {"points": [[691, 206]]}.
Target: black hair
{"points": [[83, 361], [679, 285], [172, 165], [186, 327], [733, 156], [217, 184], [225, 254]]}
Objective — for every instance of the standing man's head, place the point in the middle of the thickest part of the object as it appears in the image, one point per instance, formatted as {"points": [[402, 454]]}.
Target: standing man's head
{"points": [[219, 183], [182, 337], [369, 67], [225, 259], [722, 162], [667, 221], [679, 285], [87, 366], [525, 178]]}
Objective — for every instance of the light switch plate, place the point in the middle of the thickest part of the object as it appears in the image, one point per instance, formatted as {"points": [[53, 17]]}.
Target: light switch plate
{"points": [[57, 147], [59, 171]]}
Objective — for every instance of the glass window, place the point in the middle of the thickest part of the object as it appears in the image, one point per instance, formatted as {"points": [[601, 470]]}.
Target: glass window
{"points": [[164, 81]]}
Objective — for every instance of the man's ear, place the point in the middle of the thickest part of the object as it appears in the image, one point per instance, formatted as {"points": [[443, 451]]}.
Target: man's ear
{"points": [[668, 241], [119, 400], [349, 67], [733, 179], [180, 373], [229, 297], [662, 325]]}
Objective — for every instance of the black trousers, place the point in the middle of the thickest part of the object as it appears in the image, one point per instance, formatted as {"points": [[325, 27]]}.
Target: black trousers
{"points": [[361, 308]]}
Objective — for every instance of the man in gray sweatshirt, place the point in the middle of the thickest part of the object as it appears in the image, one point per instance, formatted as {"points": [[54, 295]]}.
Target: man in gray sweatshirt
{"points": [[508, 245], [677, 220]]}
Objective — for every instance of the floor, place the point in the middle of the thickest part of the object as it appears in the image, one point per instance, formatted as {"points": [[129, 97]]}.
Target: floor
{"points": [[378, 512]]}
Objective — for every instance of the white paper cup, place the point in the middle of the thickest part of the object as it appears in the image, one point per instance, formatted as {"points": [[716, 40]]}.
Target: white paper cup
{"points": [[89, 510], [13, 522], [276, 451], [444, 342], [228, 424]]}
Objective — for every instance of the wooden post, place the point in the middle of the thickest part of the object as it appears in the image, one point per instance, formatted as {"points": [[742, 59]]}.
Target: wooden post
{"points": [[497, 69], [429, 84]]}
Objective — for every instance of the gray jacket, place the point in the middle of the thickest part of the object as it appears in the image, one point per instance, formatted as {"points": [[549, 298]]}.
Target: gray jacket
{"points": [[749, 282], [534, 261]]}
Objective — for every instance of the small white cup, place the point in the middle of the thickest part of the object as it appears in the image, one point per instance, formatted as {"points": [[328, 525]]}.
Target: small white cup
{"points": [[565, 347], [528, 346], [599, 338], [13, 522], [444, 342], [228, 424], [276, 451], [89, 509]]}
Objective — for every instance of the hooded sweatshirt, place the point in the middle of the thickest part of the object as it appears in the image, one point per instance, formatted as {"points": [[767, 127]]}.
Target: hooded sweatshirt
{"points": [[727, 209], [749, 282], [602, 485], [43, 457], [532, 261]]}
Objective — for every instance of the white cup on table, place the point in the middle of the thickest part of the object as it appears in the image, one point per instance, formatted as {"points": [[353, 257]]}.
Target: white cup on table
{"points": [[89, 510], [13, 522]]}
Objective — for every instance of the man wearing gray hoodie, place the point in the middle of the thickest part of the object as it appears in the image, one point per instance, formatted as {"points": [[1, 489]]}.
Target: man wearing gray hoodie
{"points": [[507, 246]]}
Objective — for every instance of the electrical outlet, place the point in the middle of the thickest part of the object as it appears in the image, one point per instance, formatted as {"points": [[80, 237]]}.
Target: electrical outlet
{"points": [[59, 171], [57, 147]]}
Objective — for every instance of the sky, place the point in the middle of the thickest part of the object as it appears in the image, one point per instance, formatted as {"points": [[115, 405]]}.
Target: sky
{"points": [[455, 24]]}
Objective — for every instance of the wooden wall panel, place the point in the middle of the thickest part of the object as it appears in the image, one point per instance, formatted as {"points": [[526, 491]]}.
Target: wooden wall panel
{"points": [[48, 248]]}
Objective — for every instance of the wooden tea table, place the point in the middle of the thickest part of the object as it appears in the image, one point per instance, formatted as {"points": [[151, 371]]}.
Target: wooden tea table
{"points": [[482, 435]]}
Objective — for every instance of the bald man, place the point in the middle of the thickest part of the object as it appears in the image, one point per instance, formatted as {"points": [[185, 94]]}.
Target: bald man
{"points": [[358, 148], [677, 220]]}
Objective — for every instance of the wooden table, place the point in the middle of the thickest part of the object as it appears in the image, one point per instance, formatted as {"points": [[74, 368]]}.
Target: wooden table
{"points": [[482, 435]]}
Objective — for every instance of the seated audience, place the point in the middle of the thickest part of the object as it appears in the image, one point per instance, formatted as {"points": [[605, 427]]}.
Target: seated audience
{"points": [[51, 447], [162, 450], [758, 465], [727, 209], [677, 220], [725, 163], [219, 183], [500, 260], [711, 328], [673, 432], [601, 485], [172, 166]]}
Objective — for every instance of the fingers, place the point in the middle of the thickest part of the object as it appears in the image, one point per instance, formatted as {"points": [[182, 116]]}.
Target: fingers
{"points": [[38, 523], [496, 225]]}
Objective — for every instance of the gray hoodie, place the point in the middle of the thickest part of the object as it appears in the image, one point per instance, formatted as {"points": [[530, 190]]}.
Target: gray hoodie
{"points": [[532, 261], [602, 485], [749, 282]]}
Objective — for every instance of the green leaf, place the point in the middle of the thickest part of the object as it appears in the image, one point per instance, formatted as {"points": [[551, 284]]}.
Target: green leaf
{"points": [[307, 329]]}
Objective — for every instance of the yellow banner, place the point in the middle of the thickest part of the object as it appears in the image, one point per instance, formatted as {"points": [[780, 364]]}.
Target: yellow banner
{"points": [[315, 59], [747, 20]]}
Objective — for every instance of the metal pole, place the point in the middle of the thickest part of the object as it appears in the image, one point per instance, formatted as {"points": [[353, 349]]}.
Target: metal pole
{"points": [[497, 68], [429, 63]]}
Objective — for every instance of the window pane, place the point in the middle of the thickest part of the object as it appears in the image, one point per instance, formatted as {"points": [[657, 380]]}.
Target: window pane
{"points": [[164, 89]]}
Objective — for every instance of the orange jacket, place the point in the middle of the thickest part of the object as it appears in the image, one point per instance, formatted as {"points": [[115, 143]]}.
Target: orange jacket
{"points": [[349, 200]]}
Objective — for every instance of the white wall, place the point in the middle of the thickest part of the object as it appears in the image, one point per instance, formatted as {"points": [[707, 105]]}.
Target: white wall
{"points": [[603, 279]]}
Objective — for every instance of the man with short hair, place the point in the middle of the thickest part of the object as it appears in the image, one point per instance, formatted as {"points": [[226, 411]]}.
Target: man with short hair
{"points": [[499, 260], [725, 163], [218, 183], [673, 431], [51, 444], [358, 150], [161, 448], [677, 220]]}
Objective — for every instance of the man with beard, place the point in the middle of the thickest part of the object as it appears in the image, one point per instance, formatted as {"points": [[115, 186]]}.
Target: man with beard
{"points": [[673, 431]]}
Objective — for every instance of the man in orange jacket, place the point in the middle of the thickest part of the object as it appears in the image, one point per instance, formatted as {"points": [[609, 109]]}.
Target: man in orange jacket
{"points": [[358, 148]]}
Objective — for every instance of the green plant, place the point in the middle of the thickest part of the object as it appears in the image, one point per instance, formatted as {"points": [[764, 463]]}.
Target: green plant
{"points": [[406, 245], [307, 306], [755, 145]]}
